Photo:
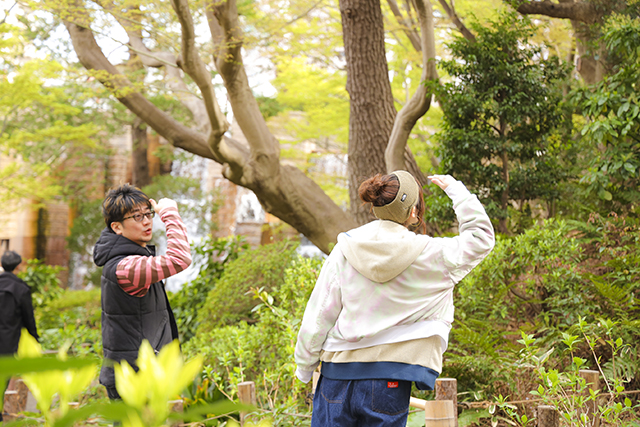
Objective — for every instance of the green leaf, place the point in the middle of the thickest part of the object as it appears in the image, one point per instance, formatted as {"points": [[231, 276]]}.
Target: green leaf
{"points": [[605, 195], [13, 367]]}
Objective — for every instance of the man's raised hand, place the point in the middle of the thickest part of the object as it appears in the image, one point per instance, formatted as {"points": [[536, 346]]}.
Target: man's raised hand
{"points": [[162, 204]]}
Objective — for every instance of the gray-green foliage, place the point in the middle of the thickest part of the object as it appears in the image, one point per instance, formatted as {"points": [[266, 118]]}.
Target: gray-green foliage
{"points": [[43, 280], [229, 302]]}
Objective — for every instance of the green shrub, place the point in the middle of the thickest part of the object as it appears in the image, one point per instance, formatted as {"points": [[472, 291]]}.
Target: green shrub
{"points": [[544, 282], [213, 256], [228, 302], [263, 352], [72, 321], [43, 280]]}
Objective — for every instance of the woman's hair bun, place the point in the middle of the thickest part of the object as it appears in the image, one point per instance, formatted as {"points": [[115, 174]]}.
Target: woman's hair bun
{"points": [[379, 189]]}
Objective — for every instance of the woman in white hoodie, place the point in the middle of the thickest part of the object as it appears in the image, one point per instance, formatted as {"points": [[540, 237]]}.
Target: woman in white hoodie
{"points": [[380, 314]]}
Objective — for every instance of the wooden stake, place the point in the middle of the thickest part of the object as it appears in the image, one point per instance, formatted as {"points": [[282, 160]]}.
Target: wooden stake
{"points": [[548, 416], [439, 413], [447, 389], [23, 394], [247, 395], [593, 382], [11, 404]]}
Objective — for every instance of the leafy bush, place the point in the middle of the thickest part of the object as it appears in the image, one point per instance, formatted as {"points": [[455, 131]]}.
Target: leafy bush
{"points": [[213, 256], [263, 352], [545, 282], [73, 322], [146, 391], [228, 302], [611, 107], [43, 280]]}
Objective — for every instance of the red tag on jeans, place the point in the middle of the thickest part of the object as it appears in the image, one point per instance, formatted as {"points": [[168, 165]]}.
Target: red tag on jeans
{"points": [[392, 384]]}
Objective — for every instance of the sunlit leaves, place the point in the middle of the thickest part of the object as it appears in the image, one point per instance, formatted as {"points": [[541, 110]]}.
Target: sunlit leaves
{"points": [[46, 385], [159, 379], [41, 127]]}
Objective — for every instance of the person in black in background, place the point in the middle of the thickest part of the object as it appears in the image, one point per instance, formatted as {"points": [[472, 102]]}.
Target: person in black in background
{"points": [[16, 308]]}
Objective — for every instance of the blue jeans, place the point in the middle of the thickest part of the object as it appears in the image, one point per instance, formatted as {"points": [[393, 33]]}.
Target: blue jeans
{"points": [[365, 403]]}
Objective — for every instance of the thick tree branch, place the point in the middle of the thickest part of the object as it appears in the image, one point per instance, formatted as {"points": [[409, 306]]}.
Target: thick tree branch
{"points": [[284, 191], [265, 149], [92, 58], [158, 59], [420, 102], [193, 65], [451, 13], [580, 11]]}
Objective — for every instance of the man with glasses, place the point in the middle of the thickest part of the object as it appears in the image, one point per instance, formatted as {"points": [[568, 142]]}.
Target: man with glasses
{"points": [[134, 302]]}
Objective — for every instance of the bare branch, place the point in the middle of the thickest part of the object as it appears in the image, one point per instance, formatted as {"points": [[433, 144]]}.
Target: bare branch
{"points": [[451, 13], [92, 58], [406, 25], [7, 12], [193, 65], [265, 149]]}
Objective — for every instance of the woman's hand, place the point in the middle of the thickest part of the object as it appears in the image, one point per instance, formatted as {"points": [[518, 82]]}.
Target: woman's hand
{"points": [[442, 181]]}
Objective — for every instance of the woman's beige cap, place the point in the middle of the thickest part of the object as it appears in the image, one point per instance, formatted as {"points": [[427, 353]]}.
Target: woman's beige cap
{"points": [[400, 207]]}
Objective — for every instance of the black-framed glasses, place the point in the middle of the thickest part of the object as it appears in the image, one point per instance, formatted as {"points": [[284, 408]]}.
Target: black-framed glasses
{"points": [[139, 216]]}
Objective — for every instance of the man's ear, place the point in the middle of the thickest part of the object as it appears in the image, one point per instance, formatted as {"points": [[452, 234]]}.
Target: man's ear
{"points": [[116, 227]]}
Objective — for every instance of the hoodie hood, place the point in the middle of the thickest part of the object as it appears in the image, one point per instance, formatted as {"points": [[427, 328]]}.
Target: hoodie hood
{"points": [[381, 250], [111, 245]]}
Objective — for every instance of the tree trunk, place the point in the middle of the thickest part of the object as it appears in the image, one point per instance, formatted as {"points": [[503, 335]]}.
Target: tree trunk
{"points": [[372, 111], [140, 170]]}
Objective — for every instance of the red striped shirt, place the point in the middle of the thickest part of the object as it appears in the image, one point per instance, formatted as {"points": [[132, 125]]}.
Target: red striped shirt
{"points": [[136, 273]]}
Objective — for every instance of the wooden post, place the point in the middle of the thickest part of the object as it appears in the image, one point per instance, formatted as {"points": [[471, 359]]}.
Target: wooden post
{"points": [[447, 389], [593, 382], [23, 394], [11, 405], [548, 416], [439, 413], [247, 395]]}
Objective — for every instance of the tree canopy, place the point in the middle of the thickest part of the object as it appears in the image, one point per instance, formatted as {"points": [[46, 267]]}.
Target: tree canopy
{"points": [[187, 70]]}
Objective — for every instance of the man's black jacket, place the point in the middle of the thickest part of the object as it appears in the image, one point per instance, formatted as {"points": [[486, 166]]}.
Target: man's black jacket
{"points": [[127, 320], [16, 312]]}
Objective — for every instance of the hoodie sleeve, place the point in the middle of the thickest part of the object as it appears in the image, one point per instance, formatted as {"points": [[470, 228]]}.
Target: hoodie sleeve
{"points": [[320, 316], [476, 237], [137, 273]]}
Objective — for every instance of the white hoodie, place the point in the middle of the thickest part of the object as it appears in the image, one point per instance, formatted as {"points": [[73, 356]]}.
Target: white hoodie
{"points": [[384, 284]]}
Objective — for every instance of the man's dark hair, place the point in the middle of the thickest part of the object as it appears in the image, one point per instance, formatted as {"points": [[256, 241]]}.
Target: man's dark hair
{"points": [[10, 260], [122, 200]]}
